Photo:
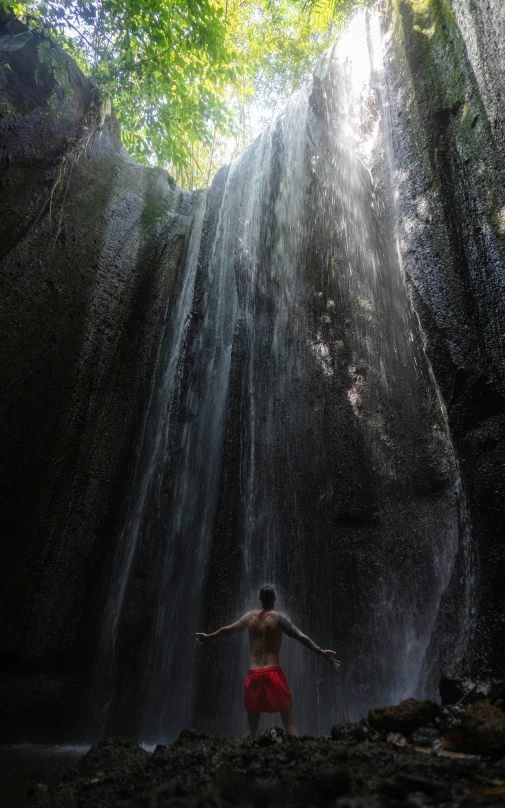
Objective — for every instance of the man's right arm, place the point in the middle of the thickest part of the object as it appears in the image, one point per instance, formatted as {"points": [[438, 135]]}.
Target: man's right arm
{"points": [[292, 631], [240, 625]]}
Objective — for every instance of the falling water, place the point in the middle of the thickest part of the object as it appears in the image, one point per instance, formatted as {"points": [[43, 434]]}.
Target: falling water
{"points": [[150, 456], [297, 436]]}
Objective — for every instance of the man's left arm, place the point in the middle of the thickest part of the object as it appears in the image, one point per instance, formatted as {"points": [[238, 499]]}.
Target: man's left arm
{"points": [[234, 628], [292, 631]]}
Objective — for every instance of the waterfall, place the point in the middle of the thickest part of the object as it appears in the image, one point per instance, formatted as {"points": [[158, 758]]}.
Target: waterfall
{"points": [[296, 436], [151, 456]]}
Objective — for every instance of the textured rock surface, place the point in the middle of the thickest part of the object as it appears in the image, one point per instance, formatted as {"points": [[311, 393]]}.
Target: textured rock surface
{"points": [[304, 441], [91, 252], [485, 727], [482, 26], [406, 717], [274, 770], [469, 690], [91, 246], [448, 146]]}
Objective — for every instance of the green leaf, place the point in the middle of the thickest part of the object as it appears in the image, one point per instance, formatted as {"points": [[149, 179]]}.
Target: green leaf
{"points": [[184, 76]]}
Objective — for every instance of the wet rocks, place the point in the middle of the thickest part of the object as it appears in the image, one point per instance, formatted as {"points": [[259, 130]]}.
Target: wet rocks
{"points": [[396, 738], [271, 736], [453, 690], [477, 720], [112, 755], [426, 736], [405, 717], [485, 727], [452, 717], [272, 770], [352, 732], [473, 728]]}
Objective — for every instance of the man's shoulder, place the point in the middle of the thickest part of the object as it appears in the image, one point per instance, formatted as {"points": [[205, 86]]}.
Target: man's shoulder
{"points": [[283, 620]]}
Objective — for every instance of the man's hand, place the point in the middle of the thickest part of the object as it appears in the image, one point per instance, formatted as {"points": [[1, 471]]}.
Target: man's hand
{"points": [[202, 638], [326, 654]]}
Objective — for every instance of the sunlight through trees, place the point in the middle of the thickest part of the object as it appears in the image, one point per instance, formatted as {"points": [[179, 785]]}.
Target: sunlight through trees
{"points": [[192, 81]]}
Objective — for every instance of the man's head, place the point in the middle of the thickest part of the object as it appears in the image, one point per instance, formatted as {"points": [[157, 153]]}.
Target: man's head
{"points": [[267, 596]]}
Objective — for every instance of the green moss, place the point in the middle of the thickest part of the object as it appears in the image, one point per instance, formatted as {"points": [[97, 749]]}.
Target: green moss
{"points": [[156, 205], [432, 38], [153, 210], [453, 117], [88, 200]]}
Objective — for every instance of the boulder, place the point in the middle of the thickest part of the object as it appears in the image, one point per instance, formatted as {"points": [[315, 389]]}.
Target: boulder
{"points": [[485, 727], [113, 755], [426, 736], [405, 717], [453, 689], [452, 717], [396, 738]]}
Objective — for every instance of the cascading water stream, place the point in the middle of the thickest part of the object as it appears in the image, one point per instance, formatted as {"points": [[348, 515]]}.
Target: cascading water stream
{"points": [[298, 437], [151, 454], [195, 488]]}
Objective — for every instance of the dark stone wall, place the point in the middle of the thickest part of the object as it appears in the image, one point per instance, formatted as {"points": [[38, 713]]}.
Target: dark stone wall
{"points": [[90, 250], [342, 514], [448, 139], [482, 27]]}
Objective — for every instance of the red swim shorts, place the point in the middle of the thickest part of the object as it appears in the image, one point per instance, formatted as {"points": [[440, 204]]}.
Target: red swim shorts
{"points": [[266, 691]]}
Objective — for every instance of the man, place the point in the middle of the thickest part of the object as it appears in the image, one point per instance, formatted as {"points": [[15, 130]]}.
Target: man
{"points": [[266, 689]]}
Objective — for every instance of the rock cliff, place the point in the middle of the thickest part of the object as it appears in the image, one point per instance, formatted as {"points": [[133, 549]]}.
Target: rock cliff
{"points": [[93, 250]]}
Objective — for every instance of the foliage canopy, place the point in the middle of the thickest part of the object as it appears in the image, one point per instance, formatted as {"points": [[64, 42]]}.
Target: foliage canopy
{"points": [[191, 80]]}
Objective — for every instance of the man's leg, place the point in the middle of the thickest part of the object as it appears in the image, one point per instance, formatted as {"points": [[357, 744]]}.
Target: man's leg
{"points": [[253, 720], [289, 721]]}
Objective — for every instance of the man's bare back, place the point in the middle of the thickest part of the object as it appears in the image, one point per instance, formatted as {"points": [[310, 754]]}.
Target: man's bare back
{"points": [[265, 638], [266, 627]]}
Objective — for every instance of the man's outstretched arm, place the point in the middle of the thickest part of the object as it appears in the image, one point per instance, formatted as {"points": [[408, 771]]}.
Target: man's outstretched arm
{"points": [[240, 625], [294, 632]]}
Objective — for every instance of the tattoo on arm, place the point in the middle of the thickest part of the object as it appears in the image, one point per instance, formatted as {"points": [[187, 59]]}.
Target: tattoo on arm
{"points": [[288, 627], [292, 631]]}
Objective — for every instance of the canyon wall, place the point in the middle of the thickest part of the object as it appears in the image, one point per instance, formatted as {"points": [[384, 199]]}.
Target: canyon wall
{"points": [[91, 246], [96, 253], [446, 80]]}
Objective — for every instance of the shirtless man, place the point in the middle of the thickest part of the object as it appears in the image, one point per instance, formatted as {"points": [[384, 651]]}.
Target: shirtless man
{"points": [[266, 689]]}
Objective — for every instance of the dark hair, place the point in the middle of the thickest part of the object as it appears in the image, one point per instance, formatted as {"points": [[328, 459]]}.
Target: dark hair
{"points": [[267, 595]]}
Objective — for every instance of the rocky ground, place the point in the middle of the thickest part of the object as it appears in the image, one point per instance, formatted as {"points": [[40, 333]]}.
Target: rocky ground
{"points": [[412, 755]]}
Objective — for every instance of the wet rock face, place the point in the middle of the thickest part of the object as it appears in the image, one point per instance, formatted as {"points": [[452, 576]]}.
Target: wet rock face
{"points": [[482, 26], [445, 84], [467, 690], [89, 281], [90, 250]]}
